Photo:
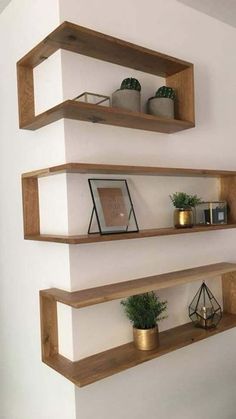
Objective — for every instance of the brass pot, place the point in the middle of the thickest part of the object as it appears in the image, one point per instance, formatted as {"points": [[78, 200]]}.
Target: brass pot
{"points": [[146, 339], [183, 217]]}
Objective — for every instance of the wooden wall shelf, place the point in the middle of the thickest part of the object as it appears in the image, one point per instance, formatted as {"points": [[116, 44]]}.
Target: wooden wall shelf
{"points": [[104, 293], [97, 238], [75, 38], [115, 360], [107, 116], [113, 169], [31, 200]]}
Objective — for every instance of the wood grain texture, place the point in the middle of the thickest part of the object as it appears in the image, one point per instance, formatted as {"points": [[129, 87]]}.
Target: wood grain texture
{"points": [[183, 83], [228, 193], [102, 294], [229, 292], [40, 52], [49, 326], [25, 81], [94, 168], [98, 238], [115, 360], [107, 116], [94, 44], [30, 198]]}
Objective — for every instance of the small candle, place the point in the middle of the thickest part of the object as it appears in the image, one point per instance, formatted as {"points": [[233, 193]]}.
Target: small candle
{"points": [[205, 316]]}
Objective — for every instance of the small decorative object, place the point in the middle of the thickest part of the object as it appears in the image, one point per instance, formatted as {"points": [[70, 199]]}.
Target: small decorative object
{"points": [[93, 98], [112, 206], [204, 310], [144, 311], [184, 204], [128, 96], [162, 104], [214, 212]]}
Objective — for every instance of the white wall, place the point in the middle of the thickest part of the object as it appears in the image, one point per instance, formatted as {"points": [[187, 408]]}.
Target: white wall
{"points": [[28, 388], [195, 381], [198, 380]]}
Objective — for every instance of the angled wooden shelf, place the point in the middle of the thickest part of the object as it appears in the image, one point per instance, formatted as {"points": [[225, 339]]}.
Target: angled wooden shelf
{"points": [[98, 238], [109, 169], [108, 116], [31, 200], [115, 360], [104, 293], [75, 38]]}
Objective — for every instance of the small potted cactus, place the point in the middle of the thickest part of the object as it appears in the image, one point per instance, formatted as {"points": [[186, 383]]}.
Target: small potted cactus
{"points": [[128, 96], [162, 104], [144, 311]]}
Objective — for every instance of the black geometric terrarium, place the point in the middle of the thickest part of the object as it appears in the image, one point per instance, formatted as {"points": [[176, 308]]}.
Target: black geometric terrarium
{"points": [[204, 310]]}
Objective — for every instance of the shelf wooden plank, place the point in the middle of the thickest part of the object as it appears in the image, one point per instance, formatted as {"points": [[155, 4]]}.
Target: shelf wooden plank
{"points": [[112, 169], [102, 294], [106, 115], [75, 38], [115, 360], [98, 238]]}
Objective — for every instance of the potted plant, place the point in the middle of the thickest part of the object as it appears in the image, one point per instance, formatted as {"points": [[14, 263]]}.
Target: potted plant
{"points": [[144, 311], [184, 204], [128, 96], [162, 104]]}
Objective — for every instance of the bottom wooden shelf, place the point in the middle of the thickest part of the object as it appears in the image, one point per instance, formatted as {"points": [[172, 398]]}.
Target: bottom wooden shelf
{"points": [[115, 360]]}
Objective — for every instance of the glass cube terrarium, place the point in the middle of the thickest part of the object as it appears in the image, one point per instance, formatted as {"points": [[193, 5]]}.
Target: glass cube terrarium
{"points": [[211, 213], [93, 98]]}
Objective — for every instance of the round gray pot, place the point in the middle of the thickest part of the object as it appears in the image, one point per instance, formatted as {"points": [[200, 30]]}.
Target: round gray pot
{"points": [[161, 106], [127, 99]]}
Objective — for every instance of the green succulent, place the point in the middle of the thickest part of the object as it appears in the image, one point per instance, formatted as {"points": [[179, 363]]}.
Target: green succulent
{"points": [[183, 200], [130, 83], [166, 92], [144, 310]]}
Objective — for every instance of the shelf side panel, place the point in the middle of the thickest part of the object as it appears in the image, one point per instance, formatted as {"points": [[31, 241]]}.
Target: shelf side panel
{"points": [[228, 193], [183, 84], [229, 292], [30, 197], [25, 82], [49, 326]]}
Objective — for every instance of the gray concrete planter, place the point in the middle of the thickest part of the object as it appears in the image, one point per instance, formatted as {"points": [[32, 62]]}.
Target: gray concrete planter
{"points": [[161, 106], [127, 99]]}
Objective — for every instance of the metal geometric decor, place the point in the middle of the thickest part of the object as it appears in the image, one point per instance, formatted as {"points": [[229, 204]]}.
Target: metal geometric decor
{"points": [[204, 310]]}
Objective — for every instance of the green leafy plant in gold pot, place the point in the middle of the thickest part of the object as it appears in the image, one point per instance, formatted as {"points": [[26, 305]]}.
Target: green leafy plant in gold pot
{"points": [[144, 311], [184, 204]]}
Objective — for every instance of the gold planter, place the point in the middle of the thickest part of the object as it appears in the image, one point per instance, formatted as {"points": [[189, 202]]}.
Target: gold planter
{"points": [[146, 339], [183, 218]]}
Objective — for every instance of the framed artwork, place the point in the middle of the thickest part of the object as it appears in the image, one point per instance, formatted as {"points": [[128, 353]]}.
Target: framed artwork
{"points": [[113, 210]]}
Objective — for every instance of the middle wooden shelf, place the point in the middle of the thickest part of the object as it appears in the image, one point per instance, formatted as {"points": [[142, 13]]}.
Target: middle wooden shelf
{"points": [[31, 200]]}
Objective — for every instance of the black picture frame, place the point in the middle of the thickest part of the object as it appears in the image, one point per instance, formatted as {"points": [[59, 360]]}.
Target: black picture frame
{"points": [[113, 210]]}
